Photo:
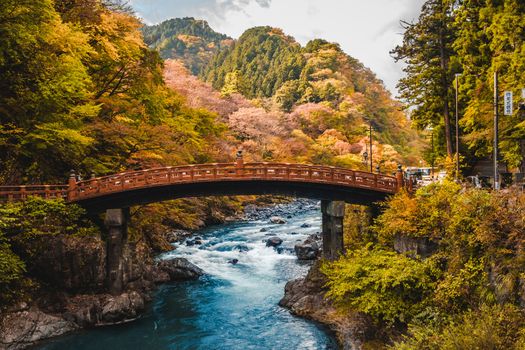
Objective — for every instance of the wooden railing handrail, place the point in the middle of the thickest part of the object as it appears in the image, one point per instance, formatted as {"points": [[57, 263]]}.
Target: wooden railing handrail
{"points": [[212, 172]]}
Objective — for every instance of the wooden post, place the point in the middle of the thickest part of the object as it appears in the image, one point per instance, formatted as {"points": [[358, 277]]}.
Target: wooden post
{"points": [[239, 164], [72, 186]]}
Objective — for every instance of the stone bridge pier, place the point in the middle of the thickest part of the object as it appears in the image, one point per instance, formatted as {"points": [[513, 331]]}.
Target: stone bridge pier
{"points": [[332, 227], [116, 223]]}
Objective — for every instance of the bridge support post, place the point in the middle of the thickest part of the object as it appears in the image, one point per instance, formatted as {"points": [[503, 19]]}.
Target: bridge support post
{"points": [[116, 222], [333, 216]]}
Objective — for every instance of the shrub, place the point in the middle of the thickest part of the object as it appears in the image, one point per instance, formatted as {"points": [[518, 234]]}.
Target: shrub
{"points": [[12, 269], [383, 284], [490, 327]]}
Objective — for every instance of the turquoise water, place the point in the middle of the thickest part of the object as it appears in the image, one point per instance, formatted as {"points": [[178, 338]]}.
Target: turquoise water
{"points": [[232, 307]]}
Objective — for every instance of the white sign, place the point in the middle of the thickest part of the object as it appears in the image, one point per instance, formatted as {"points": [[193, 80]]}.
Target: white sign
{"points": [[508, 103], [523, 93]]}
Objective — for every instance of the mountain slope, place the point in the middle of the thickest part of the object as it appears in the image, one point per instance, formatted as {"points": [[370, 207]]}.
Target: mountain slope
{"points": [[310, 104], [188, 39], [265, 63]]}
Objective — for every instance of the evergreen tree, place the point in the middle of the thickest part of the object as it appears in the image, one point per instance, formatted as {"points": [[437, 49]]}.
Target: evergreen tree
{"points": [[427, 50], [491, 38]]}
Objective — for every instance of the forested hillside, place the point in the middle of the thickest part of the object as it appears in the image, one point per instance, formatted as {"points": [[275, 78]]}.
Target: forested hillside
{"points": [[310, 104], [474, 39], [191, 40], [80, 90]]}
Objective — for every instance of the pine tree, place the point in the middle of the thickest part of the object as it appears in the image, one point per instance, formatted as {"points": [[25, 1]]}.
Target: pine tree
{"points": [[427, 50]]}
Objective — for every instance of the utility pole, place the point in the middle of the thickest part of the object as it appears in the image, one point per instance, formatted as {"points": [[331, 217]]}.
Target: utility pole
{"points": [[457, 130], [371, 153], [496, 141], [432, 160]]}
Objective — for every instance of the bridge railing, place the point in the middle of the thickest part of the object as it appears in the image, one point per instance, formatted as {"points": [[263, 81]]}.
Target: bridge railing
{"points": [[231, 172], [203, 173], [19, 193]]}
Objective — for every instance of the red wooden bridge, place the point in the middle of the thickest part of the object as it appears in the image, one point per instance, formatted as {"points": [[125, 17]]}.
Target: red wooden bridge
{"points": [[146, 186], [116, 193]]}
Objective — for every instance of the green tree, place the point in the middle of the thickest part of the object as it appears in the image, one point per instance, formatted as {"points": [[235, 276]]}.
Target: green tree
{"points": [[45, 92], [427, 50], [489, 40]]}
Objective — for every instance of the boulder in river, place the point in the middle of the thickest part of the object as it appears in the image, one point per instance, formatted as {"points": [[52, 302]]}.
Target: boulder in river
{"points": [[242, 248], [264, 229], [307, 251], [177, 269], [310, 249], [277, 220], [274, 242], [21, 329], [121, 308], [305, 225], [233, 261]]}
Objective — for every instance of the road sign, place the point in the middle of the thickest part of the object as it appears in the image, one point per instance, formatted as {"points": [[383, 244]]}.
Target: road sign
{"points": [[507, 103]]}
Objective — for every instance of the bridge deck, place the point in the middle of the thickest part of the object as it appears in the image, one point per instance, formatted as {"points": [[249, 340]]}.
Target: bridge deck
{"points": [[205, 173]]}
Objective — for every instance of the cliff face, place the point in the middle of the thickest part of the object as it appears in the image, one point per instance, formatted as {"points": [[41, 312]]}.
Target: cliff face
{"points": [[70, 278]]}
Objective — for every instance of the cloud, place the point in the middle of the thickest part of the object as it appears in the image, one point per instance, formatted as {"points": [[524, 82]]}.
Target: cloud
{"points": [[264, 3], [367, 30], [154, 11]]}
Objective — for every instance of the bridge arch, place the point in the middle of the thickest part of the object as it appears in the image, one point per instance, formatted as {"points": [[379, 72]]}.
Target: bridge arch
{"points": [[154, 185]]}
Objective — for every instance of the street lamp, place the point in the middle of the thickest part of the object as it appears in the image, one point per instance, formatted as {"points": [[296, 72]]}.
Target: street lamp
{"points": [[365, 158]]}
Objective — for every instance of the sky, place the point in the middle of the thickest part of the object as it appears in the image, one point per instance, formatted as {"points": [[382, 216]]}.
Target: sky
{"points": [[365, 29]]}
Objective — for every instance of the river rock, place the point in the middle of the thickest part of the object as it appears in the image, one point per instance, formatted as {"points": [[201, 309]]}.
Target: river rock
{"points": [[264, 229], [177, 235], [274, 241], [241, 248], [305, 225], [21, 329], [233, 261], [121, 308], [307, 251], [281, 250], [305, 297], [277, 220], [177, 269]]}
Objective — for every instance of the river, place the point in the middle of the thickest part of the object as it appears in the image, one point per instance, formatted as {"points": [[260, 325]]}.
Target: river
{"points": [[234, 306]]}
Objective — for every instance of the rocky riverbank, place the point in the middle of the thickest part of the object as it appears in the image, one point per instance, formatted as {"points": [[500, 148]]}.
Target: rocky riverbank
{"points": [[69, 294], [304, 297]]}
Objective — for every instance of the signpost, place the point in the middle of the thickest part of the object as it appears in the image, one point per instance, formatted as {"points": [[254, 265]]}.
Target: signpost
{"points": [[508, 103]]}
